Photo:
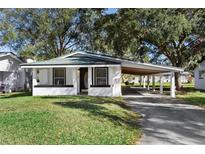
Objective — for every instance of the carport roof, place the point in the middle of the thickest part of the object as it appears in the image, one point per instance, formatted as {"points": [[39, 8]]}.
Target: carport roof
{"points": [[85, 59]]}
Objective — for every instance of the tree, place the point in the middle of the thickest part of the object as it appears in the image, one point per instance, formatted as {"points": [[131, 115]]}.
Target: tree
{"points": [[43, 33], [165, 36], [174, 33], [112, 34], [171, 36]]}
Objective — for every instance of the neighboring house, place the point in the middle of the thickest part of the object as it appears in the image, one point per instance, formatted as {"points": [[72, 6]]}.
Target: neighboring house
{"points": [[185, 77], [199, 75], [12, 77], [85, 72]]}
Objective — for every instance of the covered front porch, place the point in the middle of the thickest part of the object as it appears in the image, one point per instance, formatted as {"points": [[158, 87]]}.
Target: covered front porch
{"points": [[74, 80]]}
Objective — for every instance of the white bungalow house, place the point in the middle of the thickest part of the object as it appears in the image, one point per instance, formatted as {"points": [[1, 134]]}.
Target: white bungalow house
{"points": [[96, 74], [199, 75], [12, 77]]}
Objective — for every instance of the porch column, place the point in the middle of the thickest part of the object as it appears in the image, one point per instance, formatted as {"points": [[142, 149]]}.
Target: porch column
{"points": [[161, 84], [89, 77], [172, 88], [75, 79], [153, 83], [148, 82], [34, 80], [144, 82]]}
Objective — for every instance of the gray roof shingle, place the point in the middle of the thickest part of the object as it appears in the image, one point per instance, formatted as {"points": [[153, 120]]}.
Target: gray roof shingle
{"points": [[75, 60]]}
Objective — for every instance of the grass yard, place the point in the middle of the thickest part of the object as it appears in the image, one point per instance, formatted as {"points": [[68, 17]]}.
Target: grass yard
{"points": [[195, 98], [66, 120], [192, 95]]}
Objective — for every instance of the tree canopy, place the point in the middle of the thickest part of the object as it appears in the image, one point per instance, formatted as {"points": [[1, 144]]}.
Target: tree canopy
{"points": [[165, 36], [174, 36], [43, 33]]}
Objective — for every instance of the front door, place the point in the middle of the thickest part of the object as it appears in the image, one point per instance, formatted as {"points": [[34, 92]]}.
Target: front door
{"points": [[83, 79]]}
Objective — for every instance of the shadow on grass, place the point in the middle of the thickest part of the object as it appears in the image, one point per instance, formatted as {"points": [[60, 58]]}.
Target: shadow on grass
{"points": [[15, 95], [129, 90], [91, 99], [95, 109]]}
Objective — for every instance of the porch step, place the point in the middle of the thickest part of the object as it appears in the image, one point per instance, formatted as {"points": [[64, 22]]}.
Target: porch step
{"points": [[84, 90]]}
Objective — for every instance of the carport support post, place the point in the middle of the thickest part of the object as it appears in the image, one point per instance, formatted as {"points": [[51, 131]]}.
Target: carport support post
{"points": [[161, 84], [34, 80], [153, 83], [148, 82], [140, 80], [172, 88], [144, 82]]}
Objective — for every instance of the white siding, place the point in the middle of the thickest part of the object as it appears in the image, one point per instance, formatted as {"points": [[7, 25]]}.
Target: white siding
{"points": [[43, 76], [114, 77], [199, 83], [73, 78], [69, 76], [9, 64], [11, 75], [100, 91], [5, 65], [50, 76], [52, 91], [46, 78], [76, 80]]}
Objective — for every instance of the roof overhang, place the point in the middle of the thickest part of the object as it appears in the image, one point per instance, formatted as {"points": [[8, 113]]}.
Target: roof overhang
{"points": [[69, 66], [136, 68], [128, 67], [13, 56]]}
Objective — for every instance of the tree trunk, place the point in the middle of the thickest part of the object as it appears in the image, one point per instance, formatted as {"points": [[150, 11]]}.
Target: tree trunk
{"points": [[177, 81]]}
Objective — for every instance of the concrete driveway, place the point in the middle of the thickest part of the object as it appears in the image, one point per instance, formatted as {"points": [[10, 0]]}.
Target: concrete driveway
{"points": [[168, 121]]}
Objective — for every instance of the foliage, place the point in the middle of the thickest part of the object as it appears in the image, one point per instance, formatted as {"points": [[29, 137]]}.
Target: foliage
{"points": [[167, 36], [173, 36], [41, 33], [162, 36]]}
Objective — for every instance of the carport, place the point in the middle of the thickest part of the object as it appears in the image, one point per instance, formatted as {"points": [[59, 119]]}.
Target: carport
{"points": [[146, 69]]}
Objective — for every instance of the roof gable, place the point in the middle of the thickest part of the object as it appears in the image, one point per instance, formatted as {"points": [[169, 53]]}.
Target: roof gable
{"points": [[12, 55], [90, 54], [77, 59]]}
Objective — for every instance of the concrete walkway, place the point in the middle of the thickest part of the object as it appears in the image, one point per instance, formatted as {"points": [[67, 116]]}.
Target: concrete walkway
{"points": [[168, 121]]}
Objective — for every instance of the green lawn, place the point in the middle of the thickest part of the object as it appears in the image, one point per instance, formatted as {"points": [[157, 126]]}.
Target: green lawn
{"points": [[196, 98], [192, 95], [66, 120]]}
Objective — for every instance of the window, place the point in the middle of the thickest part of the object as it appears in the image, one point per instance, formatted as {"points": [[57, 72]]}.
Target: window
{"points": [[202, 74], [101, 76], [59, 76]]}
